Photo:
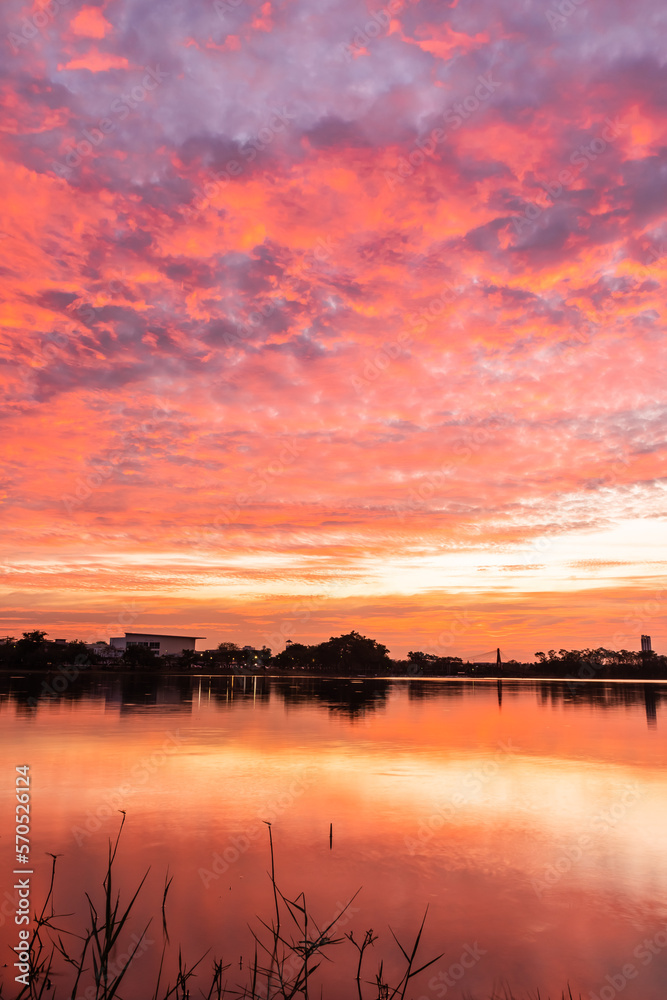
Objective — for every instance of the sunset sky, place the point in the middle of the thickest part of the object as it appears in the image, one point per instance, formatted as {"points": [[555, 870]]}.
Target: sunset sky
{"points": [[320, 316]]}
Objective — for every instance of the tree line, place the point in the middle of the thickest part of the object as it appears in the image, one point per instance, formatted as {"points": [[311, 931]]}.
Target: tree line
{"points": [[351, 653]]}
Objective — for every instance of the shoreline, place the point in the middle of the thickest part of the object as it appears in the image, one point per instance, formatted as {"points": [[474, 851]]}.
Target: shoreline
{"points": [[322, 675]]}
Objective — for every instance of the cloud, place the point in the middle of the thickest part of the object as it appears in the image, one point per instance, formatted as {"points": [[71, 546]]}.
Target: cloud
{"points": [[225, 238]]}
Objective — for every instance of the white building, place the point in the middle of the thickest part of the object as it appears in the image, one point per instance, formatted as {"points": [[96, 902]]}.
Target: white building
{"points": [[161, 645]]}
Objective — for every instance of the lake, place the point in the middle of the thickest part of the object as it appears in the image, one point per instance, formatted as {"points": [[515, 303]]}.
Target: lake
{"points": [[530, 817]]}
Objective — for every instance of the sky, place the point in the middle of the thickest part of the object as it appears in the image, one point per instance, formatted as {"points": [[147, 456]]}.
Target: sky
{"points": [[328, 316]]}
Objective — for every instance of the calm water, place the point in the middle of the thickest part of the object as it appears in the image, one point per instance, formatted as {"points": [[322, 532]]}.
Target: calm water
{"points": [[532, 820]]}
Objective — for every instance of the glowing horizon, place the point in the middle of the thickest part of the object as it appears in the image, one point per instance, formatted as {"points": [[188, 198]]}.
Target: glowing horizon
{"points": [[333, 318]]}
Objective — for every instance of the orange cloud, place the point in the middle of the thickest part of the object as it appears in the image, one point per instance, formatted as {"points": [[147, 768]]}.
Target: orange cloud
{"points": [[263, 338], [97, 62], [90, 22]]}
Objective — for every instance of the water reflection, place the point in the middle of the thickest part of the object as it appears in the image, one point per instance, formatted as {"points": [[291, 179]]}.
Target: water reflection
{"points": [[530, 816], [651, 701], [349, 697]]}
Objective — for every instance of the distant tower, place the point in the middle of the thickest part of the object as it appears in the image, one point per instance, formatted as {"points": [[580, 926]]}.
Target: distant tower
{"points": [[498, 660], [646, 653]]}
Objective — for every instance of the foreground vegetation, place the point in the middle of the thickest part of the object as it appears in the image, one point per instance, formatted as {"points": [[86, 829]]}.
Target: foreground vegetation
{"points": [[288, 951]]}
